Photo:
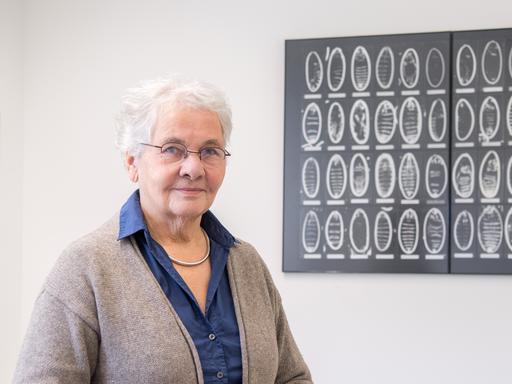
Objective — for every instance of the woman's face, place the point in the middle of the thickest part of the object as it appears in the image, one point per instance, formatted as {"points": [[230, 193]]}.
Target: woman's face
{"points": [[185, 189]]}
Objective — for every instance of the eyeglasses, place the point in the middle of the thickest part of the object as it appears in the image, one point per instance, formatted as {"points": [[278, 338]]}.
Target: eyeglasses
{"points": [[176, 152]]}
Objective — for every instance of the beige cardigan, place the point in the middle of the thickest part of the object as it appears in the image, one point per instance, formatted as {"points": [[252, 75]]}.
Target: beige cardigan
{"points": [[102, 318]]}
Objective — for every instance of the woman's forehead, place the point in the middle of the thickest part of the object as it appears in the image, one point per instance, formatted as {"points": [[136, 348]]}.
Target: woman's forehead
{"points": [[185, 124]]}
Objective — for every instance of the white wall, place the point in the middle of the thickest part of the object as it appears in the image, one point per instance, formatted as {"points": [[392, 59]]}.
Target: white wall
{"points": [[81, 55], [11, 155]]}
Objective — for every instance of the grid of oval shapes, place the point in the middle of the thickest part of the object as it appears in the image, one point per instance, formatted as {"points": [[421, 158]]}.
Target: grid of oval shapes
{"points": [[374, 152], [364, 141], [481, 207]]}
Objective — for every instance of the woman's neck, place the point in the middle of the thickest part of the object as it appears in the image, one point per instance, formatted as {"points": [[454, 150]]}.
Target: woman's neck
{"points": [[176, 229], [182, 239]]}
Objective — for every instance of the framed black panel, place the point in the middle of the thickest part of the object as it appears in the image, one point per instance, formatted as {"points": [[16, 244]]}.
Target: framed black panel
{"points": [[481, 147], [367, 154]]}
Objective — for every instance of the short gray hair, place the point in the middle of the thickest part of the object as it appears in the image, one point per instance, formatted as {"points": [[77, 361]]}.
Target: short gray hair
{"points": [[141, 106]]}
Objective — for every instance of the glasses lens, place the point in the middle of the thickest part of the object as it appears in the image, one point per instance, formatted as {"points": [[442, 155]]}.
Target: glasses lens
{"points": [[212, 155], [174, 152]]}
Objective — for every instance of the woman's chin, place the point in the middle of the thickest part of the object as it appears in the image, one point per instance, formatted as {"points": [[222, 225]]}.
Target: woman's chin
{"points": [[187, 212]]}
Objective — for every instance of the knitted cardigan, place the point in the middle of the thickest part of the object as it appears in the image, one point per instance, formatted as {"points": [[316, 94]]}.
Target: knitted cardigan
{"points": [[102, 318]]}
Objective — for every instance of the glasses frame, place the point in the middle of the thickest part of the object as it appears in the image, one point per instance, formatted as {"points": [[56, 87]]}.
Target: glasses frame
{"points": [[187, 151]]}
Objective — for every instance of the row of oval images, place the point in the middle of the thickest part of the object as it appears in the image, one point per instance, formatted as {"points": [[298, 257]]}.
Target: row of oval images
{"points": [[490, 231], [489, 118], [358, 176], [409, 121], [436, 176], [489, 176], [434, 231], [466, 66]]}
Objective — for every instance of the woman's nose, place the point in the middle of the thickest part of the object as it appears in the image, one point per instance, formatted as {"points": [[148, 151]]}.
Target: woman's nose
{"points": [[192, 166]]}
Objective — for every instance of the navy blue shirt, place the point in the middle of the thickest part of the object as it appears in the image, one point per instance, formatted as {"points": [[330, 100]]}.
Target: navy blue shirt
{"points": [[215, 333]]}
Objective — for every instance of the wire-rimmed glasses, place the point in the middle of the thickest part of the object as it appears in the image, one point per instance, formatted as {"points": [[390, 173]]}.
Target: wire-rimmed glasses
{"points": [[176, 152]]}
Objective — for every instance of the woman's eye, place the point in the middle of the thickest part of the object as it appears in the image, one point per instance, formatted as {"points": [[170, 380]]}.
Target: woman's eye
{"points": [[172, 150], [210, 152]]}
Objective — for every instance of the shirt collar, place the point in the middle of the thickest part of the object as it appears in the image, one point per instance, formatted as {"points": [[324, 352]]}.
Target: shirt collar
{"points": [[131, 220], [216, 231]]}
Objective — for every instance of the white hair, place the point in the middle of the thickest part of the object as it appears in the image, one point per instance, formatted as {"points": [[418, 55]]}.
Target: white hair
{"points": [[141, 106]]}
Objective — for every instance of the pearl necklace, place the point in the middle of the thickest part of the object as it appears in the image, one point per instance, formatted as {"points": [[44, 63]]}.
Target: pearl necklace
{"points": [[194, 263]]}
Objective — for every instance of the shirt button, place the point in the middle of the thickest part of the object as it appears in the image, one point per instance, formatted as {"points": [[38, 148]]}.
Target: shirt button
{"points": [[220, 375], [212, 336]]}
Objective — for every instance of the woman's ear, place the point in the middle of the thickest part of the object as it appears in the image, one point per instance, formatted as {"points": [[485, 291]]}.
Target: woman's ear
{"points": [[131, 166]]}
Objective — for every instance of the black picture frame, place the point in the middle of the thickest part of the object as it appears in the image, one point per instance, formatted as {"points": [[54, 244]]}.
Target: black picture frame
{"points": [[335, 218]]}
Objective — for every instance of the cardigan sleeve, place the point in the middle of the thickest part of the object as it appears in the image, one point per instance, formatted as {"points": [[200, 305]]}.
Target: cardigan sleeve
{"points": [[259, 297], [59, 347], [292, 367]]}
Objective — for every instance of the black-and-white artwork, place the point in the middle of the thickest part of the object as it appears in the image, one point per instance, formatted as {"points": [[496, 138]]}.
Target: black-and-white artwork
{"points": [[465, 65], [314, 71], [312, 124], [336, 122], [436, 176], [367, 154], [336, 176], [490, 175], [437, 120], [508, 229], [385, 121], [360, 68], [360, 122], [336, 68], [509, 176], [492, 62], [408, 232], [398, 153], [434, 231], [409, 176], [410, 120], [509, 114], [334, 230], [464, 119], [481, 147], [410, 68], [383, 231], [359, 234], [489, 118], [311, 232], [490, 230], [435, 68], [311, 177], [464, 230], [385, 67], [463, 176], [359, 175], [385, 176]]}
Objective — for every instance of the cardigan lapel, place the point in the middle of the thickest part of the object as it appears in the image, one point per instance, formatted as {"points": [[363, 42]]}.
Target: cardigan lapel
{"points": [[238, 312], [132, 247]]}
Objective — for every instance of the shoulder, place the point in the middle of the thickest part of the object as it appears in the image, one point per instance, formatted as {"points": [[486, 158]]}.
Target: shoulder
{"points": [[243, 254], [81, 267], [249, 267], [98, 241], [88, 249]]}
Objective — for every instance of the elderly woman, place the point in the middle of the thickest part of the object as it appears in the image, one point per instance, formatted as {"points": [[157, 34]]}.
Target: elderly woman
{"points": [[163, 292]]}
